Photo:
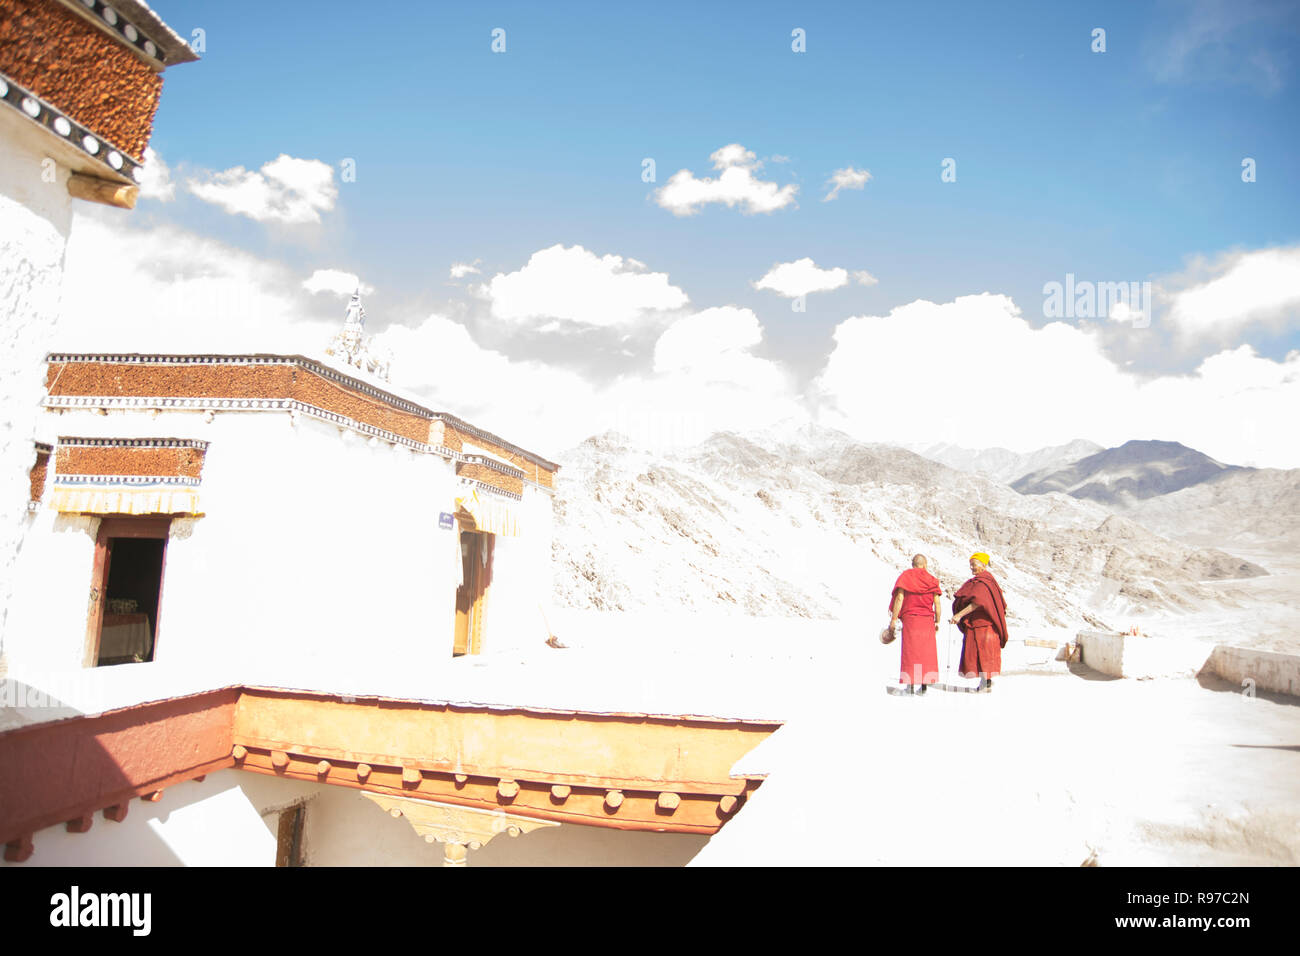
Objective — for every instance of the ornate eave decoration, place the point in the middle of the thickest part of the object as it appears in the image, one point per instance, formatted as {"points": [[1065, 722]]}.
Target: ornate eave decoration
{"points": [[105, 156], [274, 404], [132, 24]]}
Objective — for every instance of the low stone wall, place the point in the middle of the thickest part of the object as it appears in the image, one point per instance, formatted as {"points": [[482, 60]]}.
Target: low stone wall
{"points": [[1122, 655], [1270, 671]]}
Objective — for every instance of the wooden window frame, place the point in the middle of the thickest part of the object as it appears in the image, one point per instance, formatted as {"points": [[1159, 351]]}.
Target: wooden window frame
{"points": [[121, 526]]}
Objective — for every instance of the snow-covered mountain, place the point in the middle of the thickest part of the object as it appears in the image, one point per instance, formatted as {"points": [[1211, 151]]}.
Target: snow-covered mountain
{"points": [[1131, 472], [1004, 465], [813, 524]]}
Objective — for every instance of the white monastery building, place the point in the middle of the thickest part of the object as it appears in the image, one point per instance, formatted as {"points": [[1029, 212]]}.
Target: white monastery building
{"points": [[263, 609]]}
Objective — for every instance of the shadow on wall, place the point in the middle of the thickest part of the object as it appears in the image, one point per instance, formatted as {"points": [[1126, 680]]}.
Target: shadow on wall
{"points": [[344, 828], [169, 832], [1209, 680], [589, 846]]}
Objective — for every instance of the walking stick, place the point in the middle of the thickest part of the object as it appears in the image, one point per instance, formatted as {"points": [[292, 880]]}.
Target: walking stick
{"points": [[950, 651]]}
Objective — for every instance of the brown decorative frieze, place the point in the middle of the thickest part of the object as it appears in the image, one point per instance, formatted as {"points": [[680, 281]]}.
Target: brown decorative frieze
{"points": [[530, 466], [279, 383], [82, 149], [177, 458], [492, 463], [314, 389], [135, 26], [492, 477], [114, 377], [81, 71]]}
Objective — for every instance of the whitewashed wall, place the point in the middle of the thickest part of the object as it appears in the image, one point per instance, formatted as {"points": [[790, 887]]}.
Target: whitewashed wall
{"points": [[521, 580], [35, 220], [48, 608], [316, 546], [344, 828]]}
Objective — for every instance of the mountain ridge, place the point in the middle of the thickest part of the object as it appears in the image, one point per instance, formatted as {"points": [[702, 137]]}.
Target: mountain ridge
{"points": [[1134, 471], [815, 524]]}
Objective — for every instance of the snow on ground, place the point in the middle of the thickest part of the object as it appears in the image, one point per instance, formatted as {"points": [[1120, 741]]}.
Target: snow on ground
{"points": [[1057, 764]]}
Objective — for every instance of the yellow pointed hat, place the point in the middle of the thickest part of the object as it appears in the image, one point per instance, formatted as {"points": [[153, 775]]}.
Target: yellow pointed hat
{"points": [[983, 558]]}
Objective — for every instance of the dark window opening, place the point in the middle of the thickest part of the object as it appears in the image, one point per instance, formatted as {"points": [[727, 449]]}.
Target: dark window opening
{"points": [[127, 591]]}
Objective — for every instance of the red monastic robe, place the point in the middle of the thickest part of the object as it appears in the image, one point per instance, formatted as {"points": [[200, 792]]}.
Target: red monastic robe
{"points": [[984, 630], [920, 663]]}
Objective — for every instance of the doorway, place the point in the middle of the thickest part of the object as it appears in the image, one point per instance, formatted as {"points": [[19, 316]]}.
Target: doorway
{"points": [[476, 549], [126, 590]]}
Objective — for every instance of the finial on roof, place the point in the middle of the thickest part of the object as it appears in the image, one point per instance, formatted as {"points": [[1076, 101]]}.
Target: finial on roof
{"points": [[356, 314], [352, 345]]}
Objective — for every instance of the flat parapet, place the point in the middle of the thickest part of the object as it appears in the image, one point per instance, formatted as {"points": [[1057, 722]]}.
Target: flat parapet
{"points": [[1142, 657], [1257, 670]]}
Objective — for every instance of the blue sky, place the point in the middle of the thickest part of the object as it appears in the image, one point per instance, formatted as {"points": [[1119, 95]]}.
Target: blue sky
{"points": [[1123, 165]]}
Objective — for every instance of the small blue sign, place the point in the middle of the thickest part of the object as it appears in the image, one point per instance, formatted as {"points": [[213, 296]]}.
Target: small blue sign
{"points": [[445, 520]]}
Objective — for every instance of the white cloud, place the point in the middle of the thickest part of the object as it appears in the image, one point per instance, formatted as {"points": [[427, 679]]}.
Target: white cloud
{"points": [[704, 380], [577, 286], [974, 373], [166, 289], [335, 281], [971, 371], [736, 185], [156, 180], [698, 341], [846, 178], [461, 269], [1238, 291], [801, 277], [287, 190], [863, 277]]}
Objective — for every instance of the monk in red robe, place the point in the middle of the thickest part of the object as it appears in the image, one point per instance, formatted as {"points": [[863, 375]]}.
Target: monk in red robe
{"points": [[915, 602], [979, 609]]}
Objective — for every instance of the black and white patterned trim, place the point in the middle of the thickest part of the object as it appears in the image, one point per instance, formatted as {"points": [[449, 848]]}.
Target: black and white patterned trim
{"points": [[270, 405], [138, 28], [134, 443], [149, 403], [133, 480], [492, 489], [124, 29], [486, 436], [62, 126], [492, 463], [325, 371], [138, 358], [167, 403]]}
